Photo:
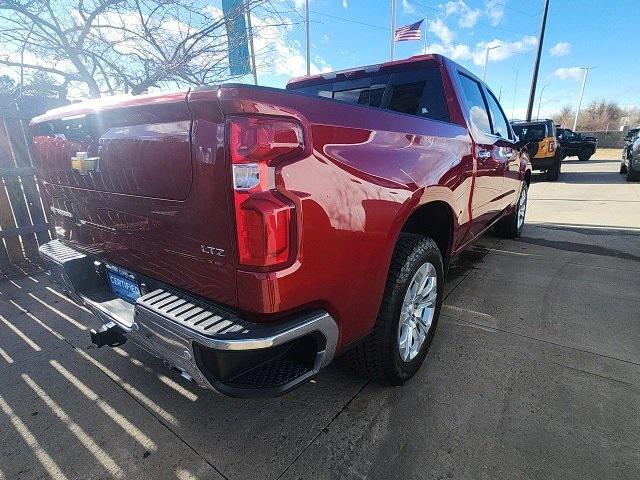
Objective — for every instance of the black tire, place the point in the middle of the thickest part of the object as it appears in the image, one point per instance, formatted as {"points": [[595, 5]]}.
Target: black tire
{"points": [[554, 172], [509, 226], [633, 175], [623, 168], [585, 154], [378, 356]]}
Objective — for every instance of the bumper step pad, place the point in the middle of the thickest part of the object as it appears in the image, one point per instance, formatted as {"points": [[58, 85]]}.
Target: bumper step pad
{"points": [[192, 314]]}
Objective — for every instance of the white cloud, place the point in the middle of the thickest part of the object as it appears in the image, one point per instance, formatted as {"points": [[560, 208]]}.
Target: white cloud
{"points": [[278, 55], [467, 16], [455, 52], [494, 9], [441, 30], [345, 3], [560, 49], [477, 52], [407, 8], [565, 73], [504, 49]]}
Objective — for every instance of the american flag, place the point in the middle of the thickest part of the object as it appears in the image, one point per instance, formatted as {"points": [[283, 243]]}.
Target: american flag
{"points": [[409, 32]]}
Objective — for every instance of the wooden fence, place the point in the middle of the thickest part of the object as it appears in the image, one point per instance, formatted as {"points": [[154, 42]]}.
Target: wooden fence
{"points": [[23, 218]]}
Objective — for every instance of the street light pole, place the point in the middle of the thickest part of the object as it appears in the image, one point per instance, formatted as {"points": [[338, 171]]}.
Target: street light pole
{"points": [[486, 60], [540, 100], [584, 82], [536, 67]]}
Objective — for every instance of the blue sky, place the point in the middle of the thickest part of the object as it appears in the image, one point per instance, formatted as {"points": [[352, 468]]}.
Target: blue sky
{"points": [[579, 33]]}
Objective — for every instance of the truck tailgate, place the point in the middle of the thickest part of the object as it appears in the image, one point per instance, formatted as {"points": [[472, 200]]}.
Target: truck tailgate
{"points": [[140, 183]]}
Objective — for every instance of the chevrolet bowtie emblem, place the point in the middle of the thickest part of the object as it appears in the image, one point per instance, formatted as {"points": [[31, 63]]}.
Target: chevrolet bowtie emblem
{"points": [[83, 163]]}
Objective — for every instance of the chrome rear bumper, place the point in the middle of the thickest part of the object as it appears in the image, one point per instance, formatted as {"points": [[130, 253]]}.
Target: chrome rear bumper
{"points": [[210, 343]]}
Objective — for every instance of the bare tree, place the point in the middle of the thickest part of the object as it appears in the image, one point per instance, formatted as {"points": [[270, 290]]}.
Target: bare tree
{"points": [[565, 116], [600, 115], [110, 46]]}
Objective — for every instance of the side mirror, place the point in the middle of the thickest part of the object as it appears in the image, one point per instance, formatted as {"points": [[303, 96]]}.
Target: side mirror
{"points": [[531, 147]]}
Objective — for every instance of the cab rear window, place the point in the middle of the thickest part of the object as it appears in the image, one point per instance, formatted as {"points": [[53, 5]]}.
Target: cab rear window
{"points": [[418, 92]]}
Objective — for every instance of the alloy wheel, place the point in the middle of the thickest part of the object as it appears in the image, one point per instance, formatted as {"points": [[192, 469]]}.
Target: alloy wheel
{"points": [[417, 312]]}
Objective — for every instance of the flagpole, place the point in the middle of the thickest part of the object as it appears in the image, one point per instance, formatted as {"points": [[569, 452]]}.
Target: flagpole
{"points": [[425, 35], [306, 25], [253, 52], [393, 27]]}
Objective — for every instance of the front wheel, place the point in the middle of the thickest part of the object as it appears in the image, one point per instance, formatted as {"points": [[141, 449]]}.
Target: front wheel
{"points": [[633, 175], [512, 225], [396, 348]]}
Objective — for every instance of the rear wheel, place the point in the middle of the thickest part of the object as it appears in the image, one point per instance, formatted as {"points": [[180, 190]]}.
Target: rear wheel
{"points": [[393, 352], [623, 168], [585, 154], [554, 172], [512, 225]]}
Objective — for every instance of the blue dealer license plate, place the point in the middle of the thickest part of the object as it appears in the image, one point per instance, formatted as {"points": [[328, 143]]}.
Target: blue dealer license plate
{"points": [[123, 287]]}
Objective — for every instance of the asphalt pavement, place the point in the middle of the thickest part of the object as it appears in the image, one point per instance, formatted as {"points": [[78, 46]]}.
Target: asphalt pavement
{"points": [[534, 373]]}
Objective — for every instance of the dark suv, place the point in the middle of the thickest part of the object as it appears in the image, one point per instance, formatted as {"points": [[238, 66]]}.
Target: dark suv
{"points": [[575, 144], [631, 160]]}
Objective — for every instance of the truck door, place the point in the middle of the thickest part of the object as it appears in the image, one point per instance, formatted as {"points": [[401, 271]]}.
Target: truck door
{"points": [[487, 201], [506, 151]]}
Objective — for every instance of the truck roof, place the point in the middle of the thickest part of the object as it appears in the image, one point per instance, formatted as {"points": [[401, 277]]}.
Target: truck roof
{"points": [[92, 106], [405, 63]]}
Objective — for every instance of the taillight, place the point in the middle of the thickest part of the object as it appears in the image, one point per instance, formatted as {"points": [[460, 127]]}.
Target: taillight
{"points": [[264, 217]]}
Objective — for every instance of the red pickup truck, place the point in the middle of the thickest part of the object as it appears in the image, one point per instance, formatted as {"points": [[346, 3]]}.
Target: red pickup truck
{"points": [[248, 235]]}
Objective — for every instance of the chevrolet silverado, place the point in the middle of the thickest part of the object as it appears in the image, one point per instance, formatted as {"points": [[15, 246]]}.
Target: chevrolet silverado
{"points": [[248, 235]]}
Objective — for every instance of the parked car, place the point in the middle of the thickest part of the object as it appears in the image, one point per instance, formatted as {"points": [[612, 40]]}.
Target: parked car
{"points": [[248, 235], [547, 157], [631, 161], [576, 145], [629, 139]]}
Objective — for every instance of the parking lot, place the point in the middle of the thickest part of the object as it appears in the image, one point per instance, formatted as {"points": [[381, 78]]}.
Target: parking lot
{"points": [[533, 373]]}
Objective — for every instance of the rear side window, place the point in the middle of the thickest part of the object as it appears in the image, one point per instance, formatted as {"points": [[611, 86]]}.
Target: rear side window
{"points": [[362, 96], [498, 120], [476, 104], [418, 92], [406, 98]]}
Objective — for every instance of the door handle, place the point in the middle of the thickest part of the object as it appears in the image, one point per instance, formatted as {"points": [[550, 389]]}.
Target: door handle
{"points": [[484, 154]]}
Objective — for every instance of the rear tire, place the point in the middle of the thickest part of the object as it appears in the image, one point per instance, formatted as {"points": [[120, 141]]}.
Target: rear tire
{"points": [[554, 172], [585, 154], [512, 225], [380, 355], [633, 175], [623, 168]]}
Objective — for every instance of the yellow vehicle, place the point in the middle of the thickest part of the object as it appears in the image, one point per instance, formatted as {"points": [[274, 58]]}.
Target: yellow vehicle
{"points": [[548, 157]]}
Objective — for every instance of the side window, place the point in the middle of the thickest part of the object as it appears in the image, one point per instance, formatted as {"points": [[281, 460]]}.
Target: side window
{"points": [[498, 120], [419, 93], [475, 103], [406, 98]]}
